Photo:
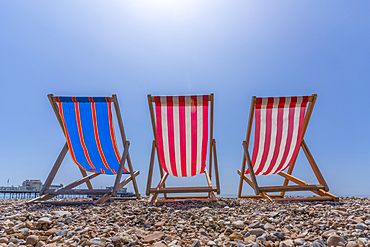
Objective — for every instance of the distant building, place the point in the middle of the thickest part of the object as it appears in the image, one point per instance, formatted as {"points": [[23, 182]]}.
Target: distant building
{"points": [[9, 188], [33, 185], [55, 187], [123, 190]]}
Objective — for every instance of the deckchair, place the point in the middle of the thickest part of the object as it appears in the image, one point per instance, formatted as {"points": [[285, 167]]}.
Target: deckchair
{"points": [[87, 124], [280, 126], [180, 127]]}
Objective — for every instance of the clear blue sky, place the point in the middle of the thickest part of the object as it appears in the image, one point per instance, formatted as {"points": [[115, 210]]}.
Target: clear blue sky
{"points": [[235, 49]]}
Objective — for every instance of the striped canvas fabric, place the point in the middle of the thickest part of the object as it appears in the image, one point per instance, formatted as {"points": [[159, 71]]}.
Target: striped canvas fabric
{"points": [[278, 131], [182, 133], [88, 127]]}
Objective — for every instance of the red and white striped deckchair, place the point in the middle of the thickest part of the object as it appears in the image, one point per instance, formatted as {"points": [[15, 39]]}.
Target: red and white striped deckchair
{"points": [[280, 125], [180, 127]]}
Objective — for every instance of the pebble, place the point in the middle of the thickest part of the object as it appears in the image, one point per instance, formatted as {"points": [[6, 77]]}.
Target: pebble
{"points": [[258, 232], [238, 224], [226, 222], [352, 244], [32, 239], [335, 240]]}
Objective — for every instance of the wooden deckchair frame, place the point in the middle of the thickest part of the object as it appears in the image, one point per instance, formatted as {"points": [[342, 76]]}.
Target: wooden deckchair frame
{"points": [[46, 193], [261, 192], [161, 188]]}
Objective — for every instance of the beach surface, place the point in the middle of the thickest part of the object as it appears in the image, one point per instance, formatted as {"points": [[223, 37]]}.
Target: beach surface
{"points": [[227, 222]]}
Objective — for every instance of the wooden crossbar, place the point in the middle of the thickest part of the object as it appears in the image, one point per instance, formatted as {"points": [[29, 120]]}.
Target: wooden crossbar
{"points": [[79, 192], [290, 188], [183, 190]]}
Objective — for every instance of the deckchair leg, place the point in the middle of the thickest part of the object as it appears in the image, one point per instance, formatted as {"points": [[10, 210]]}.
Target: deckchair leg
{"points": [[216, 167], [133, 177], [120, 170], [251, 171], [150, 172], [290, 171], [160, 185], [314, 166]]}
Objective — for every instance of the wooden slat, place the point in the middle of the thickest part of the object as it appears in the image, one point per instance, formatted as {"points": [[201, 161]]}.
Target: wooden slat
{"points": [[314, 198], [259, 196], [208, 178], [301, 182], [127, 180], [184, 197], [150, 172], [211, 135], [290, 188], [246, 179], [120, 169], [183, 190], [251, 171], [78, 192], [67, 202], [216, 168], [153, 197]]}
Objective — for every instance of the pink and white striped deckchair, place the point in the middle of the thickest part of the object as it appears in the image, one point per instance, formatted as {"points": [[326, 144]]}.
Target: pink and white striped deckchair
{"points": [[280, 125], [181, 126]]}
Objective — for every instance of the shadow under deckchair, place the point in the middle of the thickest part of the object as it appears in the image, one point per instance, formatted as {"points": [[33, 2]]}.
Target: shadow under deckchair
{"points": [[280, 126], [87, 124]]}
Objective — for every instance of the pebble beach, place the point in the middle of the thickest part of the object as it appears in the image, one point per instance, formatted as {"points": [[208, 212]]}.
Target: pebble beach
{"points": [[226, 222]]}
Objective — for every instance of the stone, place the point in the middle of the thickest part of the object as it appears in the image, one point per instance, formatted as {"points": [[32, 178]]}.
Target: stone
{"points": [[335, 240], [352, 244], [211, 243], [318, 243], [61, 213], [159, 244], [196, 243], [251, 238], [280, 235], [159, 224], [299, 241], [360, 227], [44, 220], [238, 224], [32, 239], [235, 235], [4, 240], [40, 244], [50, 231], [29, 224], [257, 231], [268, 227], [95, 242], [151, 238], [253, 225], [287, 243], [326, 234]]}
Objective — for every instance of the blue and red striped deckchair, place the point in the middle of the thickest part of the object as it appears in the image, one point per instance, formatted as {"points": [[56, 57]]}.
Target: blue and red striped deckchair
{"points": [[181, 128], [87, 124], [280, 125]]}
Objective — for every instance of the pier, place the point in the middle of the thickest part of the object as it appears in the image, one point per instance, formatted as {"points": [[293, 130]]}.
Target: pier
{"points": [[21, 194]]}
